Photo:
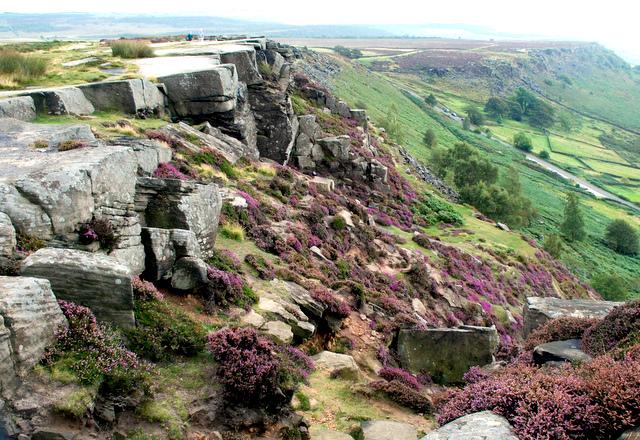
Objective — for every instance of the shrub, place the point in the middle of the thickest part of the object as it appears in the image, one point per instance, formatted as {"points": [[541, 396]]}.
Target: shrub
{"points": [[622, 237], [559, 329], [169, 171], [254, 370], [95, 354], [433, 210], [402, 394], [338, 223], [40, 144], [522, 142], [389, 374], [232, 231], [265, 269], [71, 145], [333, 305], [225, 288], [131, 49], [225, 260], [553, 245], [475, 375], [145, 290], [614, 331], [163, 330], [544, 154], [611, 286], [98, 230]]}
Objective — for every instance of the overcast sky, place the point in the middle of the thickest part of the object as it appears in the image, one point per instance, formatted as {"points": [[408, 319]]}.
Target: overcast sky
{"points": [[613, 23]]}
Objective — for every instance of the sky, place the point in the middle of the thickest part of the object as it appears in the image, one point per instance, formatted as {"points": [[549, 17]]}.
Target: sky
{"points": [[612, 23]]}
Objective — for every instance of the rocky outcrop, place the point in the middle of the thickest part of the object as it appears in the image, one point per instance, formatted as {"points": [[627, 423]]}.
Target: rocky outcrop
{"points": [[132, 96], [18, 135], [279, 331], [338, 364], [7, 236], [20, 107], [178, 204], [29, 317], [560, 351], [94, 280], [387, 430], [481, 425], [246, 65], [446, 353], [428, 176], [538, 310], [330, 435], [63, 101], [164, 247]]}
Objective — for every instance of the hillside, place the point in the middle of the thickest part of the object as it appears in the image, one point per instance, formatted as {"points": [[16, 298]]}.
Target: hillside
{"points": [[221, 242]]}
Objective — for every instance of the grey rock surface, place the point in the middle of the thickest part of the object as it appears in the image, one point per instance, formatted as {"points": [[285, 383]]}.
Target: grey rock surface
{"points": [[163, 247], [342, 364], [560, 351], [246, 66], [19, 107], [447, 353], [279, 330], [189, 273], [94, 280], [483, 425], [538, 310], [388, 430], [29, 318], [7, 236], [330, 435], [62, 101], [132, 96]]}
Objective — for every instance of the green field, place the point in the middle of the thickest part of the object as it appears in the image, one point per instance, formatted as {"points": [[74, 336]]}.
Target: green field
{"points": [[547, 192], [613, 169]]}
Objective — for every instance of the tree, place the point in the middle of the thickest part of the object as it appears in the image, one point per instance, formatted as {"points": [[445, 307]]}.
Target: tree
{"points": [[573, 225], [391, 124], [611, 286], [430, 138], [496, 108], [524, 100], [522, 142], [621, 237], [431, 100], [541, 114], [466, 124], [474, 116], [544, 154], [553, 245]]}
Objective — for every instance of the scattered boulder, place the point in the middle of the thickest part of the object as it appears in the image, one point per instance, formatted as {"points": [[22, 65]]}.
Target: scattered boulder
{"points": [[538, 310], [337, 147], [279, 330], [178, 204], [189, 273], [29, 318], [477, 426], [203, 92], [63, 101], [560, 351], [132, 96], [94, 280], [632, 434], [330, 435], [360, 116], [324, 184], [21, 107], [387, 430], [338, 364], [446, 353], [253, 319], [163, 247], [7, 236]]}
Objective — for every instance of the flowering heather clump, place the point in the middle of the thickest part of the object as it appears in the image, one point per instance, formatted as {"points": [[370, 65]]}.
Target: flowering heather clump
{"points": [[403, 395], [95, 354], [254, 370], [265, 269], [169, 171], [389, 374], [161, 136], [614, 331], [226, 288], [88, 236], [145, 290], [475, 375], [334, 306], [559, 329]]}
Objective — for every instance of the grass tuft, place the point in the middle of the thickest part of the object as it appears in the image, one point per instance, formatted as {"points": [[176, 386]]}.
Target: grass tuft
{"points": [[131, 49]]}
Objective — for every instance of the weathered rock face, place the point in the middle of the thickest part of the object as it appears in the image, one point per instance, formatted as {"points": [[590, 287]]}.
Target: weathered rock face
{"points": [[203, 92], [477, 426], [245, 62], [388, 430], [447, 353], [7, 236], [132, 96], [342, 365], [239, 122], [189, 273], [176, 204], [163, 247], [330, 435], [29, 317], [63, 101], [20, 107], [279, 330], [97, 281], [16, 134], [560, 351], [538, 310]]}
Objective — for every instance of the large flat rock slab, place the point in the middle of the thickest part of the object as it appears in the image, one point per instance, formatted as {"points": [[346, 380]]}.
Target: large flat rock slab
{"points": [[170, 65], [19, 107], [388, 430], [560, 351], [62, 101], [31, 316], [94, 280], [447, 353], [483, 425], [132, 96], [538, 310]]}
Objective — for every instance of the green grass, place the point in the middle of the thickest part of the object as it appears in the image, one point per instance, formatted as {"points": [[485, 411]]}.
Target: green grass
{"points": [[131, 49], [21, 69], [613, 169]]}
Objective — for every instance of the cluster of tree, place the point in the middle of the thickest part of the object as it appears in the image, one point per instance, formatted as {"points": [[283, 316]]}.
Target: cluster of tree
{"points": [[347, 52], [430, 138], [480, 185], [521, 106], [522, 142], [431, 100]]}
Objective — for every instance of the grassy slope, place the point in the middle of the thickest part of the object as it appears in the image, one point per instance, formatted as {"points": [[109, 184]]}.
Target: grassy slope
{"points": [[354, 83]]}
